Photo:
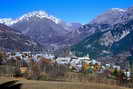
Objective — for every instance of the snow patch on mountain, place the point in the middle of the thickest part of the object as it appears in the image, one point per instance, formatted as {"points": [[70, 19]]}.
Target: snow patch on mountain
{"points": [[119, 9], [108, 39], [39, 14], [7, 21], [123, 34]]}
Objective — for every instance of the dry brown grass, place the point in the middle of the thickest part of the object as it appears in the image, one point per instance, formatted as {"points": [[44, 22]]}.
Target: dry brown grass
{"points": [[30, 84]]}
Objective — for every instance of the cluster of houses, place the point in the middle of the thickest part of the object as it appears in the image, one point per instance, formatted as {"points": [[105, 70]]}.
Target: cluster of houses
{"points": [[76, 64]]}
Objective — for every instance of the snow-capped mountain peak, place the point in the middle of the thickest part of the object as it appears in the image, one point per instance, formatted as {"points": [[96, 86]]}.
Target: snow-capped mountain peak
{"points": [[7, 21], [39, 14], [118, 9], [54, 19]]}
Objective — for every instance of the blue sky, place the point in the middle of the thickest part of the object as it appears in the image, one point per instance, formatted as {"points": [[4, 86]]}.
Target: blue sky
{"points": [[69, 10]]}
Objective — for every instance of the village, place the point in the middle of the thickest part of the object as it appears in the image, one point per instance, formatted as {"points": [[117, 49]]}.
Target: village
{"points": [[28, 64]]}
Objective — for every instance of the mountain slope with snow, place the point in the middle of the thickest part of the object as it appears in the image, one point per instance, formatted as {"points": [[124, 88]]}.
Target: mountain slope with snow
{"points": [[41, 15], [44, 28], [108, 35], [111, 16], [38, 14]]}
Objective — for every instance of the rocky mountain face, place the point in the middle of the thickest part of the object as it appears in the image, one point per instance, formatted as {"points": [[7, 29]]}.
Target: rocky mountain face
{"points": [[14, 40], [101, 22], [110, 34], [46, 29], [111, 17]]}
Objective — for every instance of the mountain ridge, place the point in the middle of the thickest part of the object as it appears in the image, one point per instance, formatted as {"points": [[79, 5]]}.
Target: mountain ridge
{"points": [[44, 28], [109, 38]]}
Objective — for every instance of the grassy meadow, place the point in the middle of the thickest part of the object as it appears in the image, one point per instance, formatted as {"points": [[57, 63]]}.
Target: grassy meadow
{"points": [[34, 84]]}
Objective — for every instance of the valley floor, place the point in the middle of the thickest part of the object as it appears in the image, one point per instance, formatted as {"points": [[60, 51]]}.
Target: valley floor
{"points": [[31, 84]]}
